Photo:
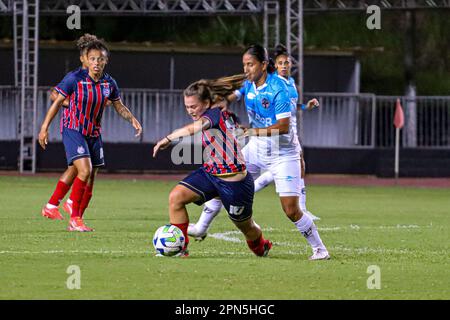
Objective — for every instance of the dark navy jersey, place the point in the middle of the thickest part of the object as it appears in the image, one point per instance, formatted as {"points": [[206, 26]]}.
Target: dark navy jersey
{"points": [[221, 147], [87, 100]]}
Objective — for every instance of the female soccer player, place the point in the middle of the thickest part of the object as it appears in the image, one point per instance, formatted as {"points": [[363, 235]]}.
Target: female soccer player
{"points": [[283, 67], [273, 144], [50, 210], [89, 90], [224, 171]]}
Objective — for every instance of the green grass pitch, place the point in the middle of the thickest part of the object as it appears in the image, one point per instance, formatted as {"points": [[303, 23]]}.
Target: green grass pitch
{"points": [[403, 231]]}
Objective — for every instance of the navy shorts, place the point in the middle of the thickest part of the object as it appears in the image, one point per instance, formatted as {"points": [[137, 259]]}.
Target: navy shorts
{"points": [[78, 146], [236, 196]]}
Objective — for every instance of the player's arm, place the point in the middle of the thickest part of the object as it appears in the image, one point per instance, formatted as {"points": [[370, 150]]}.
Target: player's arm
{"points": [[51, 113], [188, 130], [125, 113], [54, 95], [280, 127]]}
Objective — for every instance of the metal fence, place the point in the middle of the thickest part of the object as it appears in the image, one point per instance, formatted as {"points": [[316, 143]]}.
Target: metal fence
{"points": [[342, 120]]}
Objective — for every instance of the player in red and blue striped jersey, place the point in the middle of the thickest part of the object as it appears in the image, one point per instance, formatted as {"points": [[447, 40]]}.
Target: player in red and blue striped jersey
{"points": [[89, 90], [50, 210], [223, 173]]}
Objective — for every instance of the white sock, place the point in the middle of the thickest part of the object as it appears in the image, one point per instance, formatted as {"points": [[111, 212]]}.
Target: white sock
{"points": [[309, 230], [302, 198], [263, 180], [210, 211]]}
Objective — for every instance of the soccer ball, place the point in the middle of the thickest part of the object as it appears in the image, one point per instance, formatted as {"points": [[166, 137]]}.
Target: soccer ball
{"points": [[168, 240]]}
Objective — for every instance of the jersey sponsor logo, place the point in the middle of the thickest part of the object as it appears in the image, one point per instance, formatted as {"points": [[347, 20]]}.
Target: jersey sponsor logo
{"points": [[251, 96], [266, 121], [265, 103], [80, 150], [101, 153]]}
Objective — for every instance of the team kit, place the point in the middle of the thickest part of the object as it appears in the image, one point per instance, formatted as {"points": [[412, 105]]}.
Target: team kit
{"points": [[237, 160]]}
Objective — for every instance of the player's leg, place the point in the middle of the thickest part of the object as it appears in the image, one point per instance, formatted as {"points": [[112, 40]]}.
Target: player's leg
{"points": [[263, 181], [50, 210], [77, 154], [87, 195], [68, 177], [212, 208], [237, 198], [195, 188], [302, 197], [287, 182], [98, 161], [84, 168]]}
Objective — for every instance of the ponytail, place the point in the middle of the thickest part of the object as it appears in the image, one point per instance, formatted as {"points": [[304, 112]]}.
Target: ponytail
{"points": [[214, 90]]}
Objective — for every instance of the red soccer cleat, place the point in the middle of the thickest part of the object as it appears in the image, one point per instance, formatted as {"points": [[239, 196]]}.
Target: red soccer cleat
{"points": [[67, 206], [267, 246], [51, 213], [77, 224]]}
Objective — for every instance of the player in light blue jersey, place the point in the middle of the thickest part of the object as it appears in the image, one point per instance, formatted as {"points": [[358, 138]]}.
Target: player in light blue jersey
{"points": [[273, 145], [283, 67]]}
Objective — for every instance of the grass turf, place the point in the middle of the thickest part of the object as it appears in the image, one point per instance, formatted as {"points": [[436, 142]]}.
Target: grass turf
{"points": [[404, 231]]}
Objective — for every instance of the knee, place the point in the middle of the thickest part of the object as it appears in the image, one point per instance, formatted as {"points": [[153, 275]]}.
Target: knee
{"points": [[176, 199], [84, 173], [292, 212]]}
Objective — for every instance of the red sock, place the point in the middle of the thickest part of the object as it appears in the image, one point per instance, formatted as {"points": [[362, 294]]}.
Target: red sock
{"points": [[59, 193], [183, 227], [86, 198], [257, 246], [78, 189]]}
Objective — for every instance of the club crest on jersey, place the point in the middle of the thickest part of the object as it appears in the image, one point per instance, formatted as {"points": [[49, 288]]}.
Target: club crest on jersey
{"points": [[106, 91], [80, 150], [265, 103]]}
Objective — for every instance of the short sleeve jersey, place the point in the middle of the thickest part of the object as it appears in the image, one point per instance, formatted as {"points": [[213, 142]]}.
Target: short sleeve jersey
{"points": [[222, 150], [266, 105], [87, 100]]}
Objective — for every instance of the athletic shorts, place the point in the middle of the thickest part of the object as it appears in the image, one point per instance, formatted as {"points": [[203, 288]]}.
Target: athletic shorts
{"points": [[236, 196], [78, 146], [285, 170]]}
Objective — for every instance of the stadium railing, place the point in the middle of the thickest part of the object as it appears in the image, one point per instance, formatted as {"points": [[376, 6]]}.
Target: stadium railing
{"points": [[342, 120]]}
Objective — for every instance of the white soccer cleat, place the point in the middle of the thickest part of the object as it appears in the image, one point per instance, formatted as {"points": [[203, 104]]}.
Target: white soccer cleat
{"points": [[313, 217], [196, 234], [320, 254]]}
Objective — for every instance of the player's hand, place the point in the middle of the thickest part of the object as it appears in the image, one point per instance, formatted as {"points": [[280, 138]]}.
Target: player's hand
{"points": [[43, 138], [162, 144], [135, 123], [312, 104], [248, 132]]}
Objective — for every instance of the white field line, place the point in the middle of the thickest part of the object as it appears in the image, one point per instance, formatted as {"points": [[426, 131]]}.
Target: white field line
{"points": [[236, 237]]}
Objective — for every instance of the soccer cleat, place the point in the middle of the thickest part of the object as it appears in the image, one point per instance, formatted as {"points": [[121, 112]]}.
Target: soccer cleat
{"points": [[51, 213], [77, 224], [320, 254], [267, 247], [193, 232], [183, 253], [67, 206]]}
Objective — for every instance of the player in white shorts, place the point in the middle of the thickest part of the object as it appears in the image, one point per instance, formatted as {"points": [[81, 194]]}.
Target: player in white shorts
{"points": [[273, 144], [283, 67]]}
